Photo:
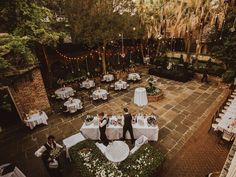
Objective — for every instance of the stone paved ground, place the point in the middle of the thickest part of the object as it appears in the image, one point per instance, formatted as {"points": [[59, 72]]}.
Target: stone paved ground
{"points": [[184, 108], [202, 154]]}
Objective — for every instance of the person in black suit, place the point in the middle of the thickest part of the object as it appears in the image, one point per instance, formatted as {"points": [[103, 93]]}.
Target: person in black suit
{"points": [[128, 125], [103, 121], [204, 76]]}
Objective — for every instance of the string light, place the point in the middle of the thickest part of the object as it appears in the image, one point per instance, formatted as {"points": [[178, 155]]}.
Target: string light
{"points": [[131, 49]]}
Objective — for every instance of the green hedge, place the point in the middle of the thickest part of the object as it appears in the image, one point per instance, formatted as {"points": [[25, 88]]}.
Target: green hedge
{"points": [[91, 162], [228, 76], [142, 163]]}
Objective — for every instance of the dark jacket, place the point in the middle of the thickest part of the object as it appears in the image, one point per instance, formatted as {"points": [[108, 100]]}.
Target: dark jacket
{"points": [[127, 120]]}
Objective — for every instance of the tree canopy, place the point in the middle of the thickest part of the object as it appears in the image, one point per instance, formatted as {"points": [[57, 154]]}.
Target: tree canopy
{"points": [[26, 23], [95, 22], [223, 41]]}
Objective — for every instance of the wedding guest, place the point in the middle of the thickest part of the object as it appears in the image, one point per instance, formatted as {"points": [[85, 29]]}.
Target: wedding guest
{"points": [[103, 121], [128, 125], [50, 159]]}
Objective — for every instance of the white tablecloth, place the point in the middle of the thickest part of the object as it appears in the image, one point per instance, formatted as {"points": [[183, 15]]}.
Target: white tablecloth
{"points": [[71, 141], [232, 168], [100, 94], [64, 92], [36, 119], [133, 76], [15, 173], [226, 124], [73, 105], [140, 96], [88, 84], [108, 78], [119, 85], [116, 131], [117, 151]]}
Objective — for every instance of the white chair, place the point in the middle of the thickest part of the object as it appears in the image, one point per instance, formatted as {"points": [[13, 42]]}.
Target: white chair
{"points": [[233, 96], [101, 146], [223, 110], [218, 119], [226, 107], [133, 150], [221, 115], [227, 136], [214, 126], [141, 140], [72, 109], [230, 100], [138, 143], [104, 97], [71, 141]]}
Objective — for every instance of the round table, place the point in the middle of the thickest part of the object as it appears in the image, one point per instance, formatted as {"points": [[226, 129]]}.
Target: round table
{"points": [[108, 78], [88, 84], [36, 119], [133, 76], [117, 151], [120, 85], [64, 92], [73, 105], [100, 94], [140, 96]]}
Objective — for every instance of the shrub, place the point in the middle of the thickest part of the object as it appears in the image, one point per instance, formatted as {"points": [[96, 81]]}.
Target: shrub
{"points": [[228, 76], [91, 162]]}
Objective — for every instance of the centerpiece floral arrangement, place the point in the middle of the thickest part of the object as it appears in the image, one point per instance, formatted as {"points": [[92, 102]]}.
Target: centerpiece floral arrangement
{"points": [[151, 89], [91, 162]]}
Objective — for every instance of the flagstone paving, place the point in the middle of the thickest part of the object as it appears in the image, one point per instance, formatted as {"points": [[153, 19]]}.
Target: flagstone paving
{"points": [[183, 109]]}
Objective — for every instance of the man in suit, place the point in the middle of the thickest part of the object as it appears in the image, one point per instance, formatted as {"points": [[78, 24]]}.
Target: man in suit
{"points": [[103, 121], [204, 76], [128, 125]]}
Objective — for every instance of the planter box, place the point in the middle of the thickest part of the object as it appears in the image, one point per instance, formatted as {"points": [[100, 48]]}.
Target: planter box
{"points": [[155, 98]]}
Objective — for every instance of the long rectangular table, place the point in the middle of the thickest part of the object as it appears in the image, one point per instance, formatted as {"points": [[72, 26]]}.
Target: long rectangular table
{"points": [[116, 131]]}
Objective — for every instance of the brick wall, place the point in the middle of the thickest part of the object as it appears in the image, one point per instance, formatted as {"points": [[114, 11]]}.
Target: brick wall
{"points": [[29, 94]]}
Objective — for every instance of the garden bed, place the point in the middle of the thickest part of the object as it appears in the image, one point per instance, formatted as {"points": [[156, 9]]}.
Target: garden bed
{"points": [[91, 162], [155, 98]]}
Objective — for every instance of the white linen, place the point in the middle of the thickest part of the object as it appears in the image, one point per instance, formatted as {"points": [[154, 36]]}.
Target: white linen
{"points": [[232, 168], [15, 173], [101, 146], [133, 76], [119, 85], [71, 141], [226, 123], [117, 151], [36, 119], [140, 96], [100, 94], [116, 131], [64, 92], [88, 84], [73, 105], [108, 78]]}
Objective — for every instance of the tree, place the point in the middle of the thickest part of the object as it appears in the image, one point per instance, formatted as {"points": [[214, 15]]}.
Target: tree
{"points": [[27, 24], [222, 41], [96, 23]]}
